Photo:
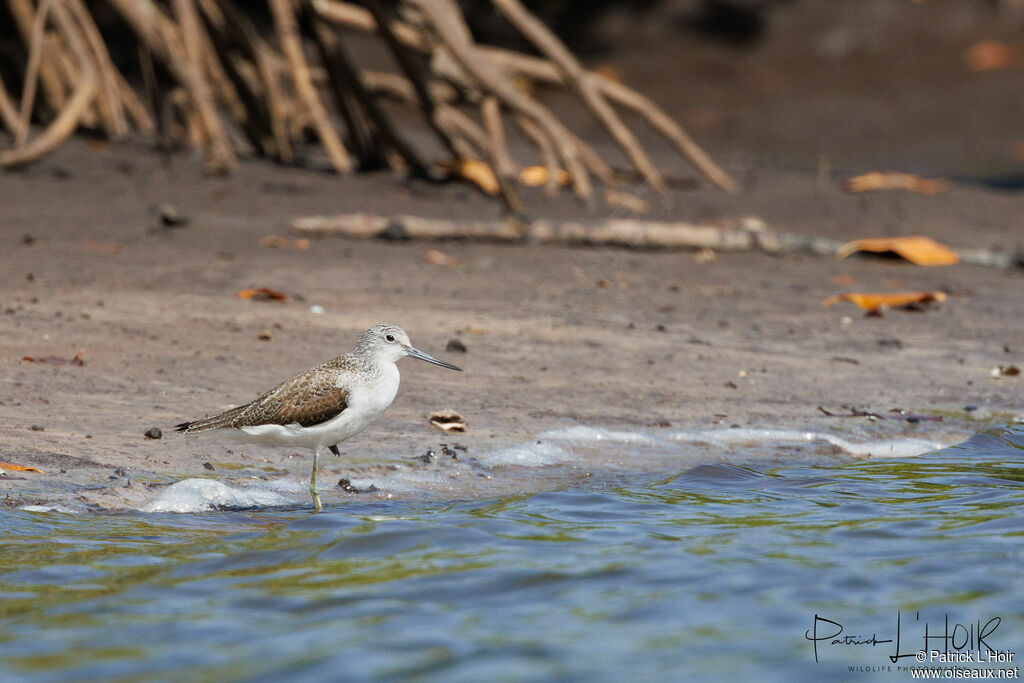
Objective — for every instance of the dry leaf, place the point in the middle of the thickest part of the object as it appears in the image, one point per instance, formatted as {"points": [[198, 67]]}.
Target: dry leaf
{"points": [[875, 303], [886, 180], [1006, 371], [477, 172], [103, 247], [19, 468], [523, 85], [988, 56], [439, 258], [842, 279], [57, 360], [609, 72], [274, 242], [625, 200], [1017, 149], [705, 255], [262, 294], [448, 421], [919, 250], [537, 176]]}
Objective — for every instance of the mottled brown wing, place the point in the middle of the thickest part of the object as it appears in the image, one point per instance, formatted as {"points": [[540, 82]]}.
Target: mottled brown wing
{"points": [[307, 399]]}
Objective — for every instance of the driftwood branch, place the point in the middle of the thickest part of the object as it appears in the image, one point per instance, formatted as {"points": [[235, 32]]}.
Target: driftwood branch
{"points": [[746, 234], [740, 235]]}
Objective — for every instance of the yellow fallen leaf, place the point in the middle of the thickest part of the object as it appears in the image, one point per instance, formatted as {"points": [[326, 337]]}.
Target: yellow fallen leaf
{"points": [[609, 72], [536, 176], [887, 180], [274, 242], [625, 200], [102, 247], [439, 258], [917, 249], [988, 56], [19, 468], [262, 294], [875, 301], [477, 172]]}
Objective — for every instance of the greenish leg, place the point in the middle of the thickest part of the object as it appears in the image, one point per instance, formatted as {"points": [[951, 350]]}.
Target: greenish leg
{"points": [[313, 489]]}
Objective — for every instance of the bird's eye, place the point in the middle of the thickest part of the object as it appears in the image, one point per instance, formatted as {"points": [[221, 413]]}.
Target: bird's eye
{"points": [[389, 337]]}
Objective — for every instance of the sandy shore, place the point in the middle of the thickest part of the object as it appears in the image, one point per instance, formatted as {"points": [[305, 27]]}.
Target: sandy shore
{"points": [[553, 336]]}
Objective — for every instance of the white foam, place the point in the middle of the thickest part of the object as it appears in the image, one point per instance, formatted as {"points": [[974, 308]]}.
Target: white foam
{"points": [[560, 445], [200, 495], [288, 484], [536, 453], [883, 448], [52, 507]]}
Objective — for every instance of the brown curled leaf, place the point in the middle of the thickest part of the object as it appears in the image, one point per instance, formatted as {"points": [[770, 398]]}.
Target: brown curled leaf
{"points": [[448, 421], [875, 302], [919, 250], [19, 468], [263, 294], [888, 180]]}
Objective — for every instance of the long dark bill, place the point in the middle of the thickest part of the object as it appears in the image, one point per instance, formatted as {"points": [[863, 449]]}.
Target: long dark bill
{"points": [[416, 353]]}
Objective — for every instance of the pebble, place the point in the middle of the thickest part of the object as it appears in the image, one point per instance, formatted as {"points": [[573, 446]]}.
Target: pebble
{"points": [[154, 433], [455, 346]]}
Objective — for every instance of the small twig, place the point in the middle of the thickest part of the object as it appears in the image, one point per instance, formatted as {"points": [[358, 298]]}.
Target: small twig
{"points": [[110, 102], [447, 21], [58, 130], [503, 166], [24, 17], [9, 114], [428, 105], [291, 45], [545, 71], [575, 76], [384, 129], [35, 54], [546, 150], [162, 38]]}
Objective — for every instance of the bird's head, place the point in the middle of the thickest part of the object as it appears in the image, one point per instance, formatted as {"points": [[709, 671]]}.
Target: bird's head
{"points": [[390, 342]]}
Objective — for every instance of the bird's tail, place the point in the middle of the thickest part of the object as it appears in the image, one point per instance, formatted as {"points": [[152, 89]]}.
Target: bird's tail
{"points": [[225, 419]]}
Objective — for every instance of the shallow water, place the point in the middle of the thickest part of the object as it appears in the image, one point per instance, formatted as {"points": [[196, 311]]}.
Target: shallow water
{"points": [[713, 569]]}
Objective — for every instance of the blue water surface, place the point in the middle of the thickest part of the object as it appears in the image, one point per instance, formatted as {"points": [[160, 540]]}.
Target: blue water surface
{"points": [[716, 572]]}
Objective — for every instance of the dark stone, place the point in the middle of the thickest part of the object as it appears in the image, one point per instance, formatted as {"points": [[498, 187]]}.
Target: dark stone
{"points": [[208, 466], [455, 346], [394, 232], [170, 216], [154, 433]]}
